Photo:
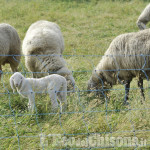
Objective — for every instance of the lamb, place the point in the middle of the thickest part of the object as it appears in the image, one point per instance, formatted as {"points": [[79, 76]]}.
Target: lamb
{"points": [[55, 85], [127, 57], [10, 47], [43, 46], [144, 18]]}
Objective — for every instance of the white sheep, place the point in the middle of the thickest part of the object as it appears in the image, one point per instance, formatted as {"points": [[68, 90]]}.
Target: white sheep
{"points": [[126, 58], [43, 46], [144, 18], [10, 45], [55, 85]]}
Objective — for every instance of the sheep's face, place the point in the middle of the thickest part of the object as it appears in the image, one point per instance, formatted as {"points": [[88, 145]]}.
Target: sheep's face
{"points": [[70, 83], [17, 79], [97, 84], [93, 85]]}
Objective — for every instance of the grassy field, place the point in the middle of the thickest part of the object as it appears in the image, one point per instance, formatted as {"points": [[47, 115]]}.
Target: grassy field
{"points": [[88, 27]]}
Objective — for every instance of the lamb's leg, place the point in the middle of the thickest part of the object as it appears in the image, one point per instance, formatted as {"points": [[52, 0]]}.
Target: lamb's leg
{"points": [[31, 103], [140, 85], [127, 88], [53, 97], [62, 98]]}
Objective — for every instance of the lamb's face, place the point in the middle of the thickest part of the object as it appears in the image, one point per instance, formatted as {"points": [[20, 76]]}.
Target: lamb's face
{"points": [[17, 79]]}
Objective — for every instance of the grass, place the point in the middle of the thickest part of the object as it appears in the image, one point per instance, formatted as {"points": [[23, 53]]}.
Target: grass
{"points": [[88, 27]]}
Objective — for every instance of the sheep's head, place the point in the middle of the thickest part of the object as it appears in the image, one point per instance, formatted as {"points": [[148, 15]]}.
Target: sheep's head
{"points": [[94, 83], [70, 83], [16, 80], [97, 84]]}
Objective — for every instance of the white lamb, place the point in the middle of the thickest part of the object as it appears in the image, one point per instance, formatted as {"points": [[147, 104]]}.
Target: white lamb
{"points": [[55, 85]]}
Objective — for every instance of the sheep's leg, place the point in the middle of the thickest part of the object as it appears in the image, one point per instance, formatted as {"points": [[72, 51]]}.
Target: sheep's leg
{"points": [[140, 85], [53, 97], [31, 103], [127, 88], [0, 71], [13, 68]]}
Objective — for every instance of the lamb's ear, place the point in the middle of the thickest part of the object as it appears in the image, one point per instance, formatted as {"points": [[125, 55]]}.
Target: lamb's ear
{"points": [[12, 84], [22, 82]]}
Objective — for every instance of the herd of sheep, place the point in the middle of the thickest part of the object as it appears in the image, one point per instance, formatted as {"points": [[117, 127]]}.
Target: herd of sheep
{"points": [[43, 48]]}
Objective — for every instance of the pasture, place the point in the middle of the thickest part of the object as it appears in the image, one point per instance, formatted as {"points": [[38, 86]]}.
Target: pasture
{"points": [[88, 27]]}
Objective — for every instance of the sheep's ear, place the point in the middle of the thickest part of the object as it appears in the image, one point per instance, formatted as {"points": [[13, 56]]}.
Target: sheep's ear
{"points": [[12, 84]]}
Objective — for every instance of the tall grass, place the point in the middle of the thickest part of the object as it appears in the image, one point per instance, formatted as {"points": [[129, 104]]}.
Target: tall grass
{"points": [[88, 27]]}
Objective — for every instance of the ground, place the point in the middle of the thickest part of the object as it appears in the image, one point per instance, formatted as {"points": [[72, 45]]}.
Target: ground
{"points": [[88, 27]]}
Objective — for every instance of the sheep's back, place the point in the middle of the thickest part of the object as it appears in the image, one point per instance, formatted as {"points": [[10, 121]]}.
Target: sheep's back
{"points": [[128, 52], [43, 37], [9, 41], [127, 49]]}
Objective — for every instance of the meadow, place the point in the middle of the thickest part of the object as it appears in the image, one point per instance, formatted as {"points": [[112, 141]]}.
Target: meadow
{"points": [[88, 27]]}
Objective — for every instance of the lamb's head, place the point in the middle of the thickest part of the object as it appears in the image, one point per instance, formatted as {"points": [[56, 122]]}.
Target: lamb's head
{"points": [[98, 83], [16, 80]]}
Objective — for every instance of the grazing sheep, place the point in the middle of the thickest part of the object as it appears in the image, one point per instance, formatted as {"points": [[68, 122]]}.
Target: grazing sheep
{"points": [[9, 45], [144, 18], [124, 59], [45, 43], [55, 85]]}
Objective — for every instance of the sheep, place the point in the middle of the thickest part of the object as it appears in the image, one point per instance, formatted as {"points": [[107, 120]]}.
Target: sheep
{"points": [[43, 46], [10, 44], [126, 58], [55, 85], [144, 18]]}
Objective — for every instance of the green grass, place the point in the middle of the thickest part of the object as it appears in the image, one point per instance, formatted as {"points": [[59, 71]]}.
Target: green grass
{"points": [[88, 27]]}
